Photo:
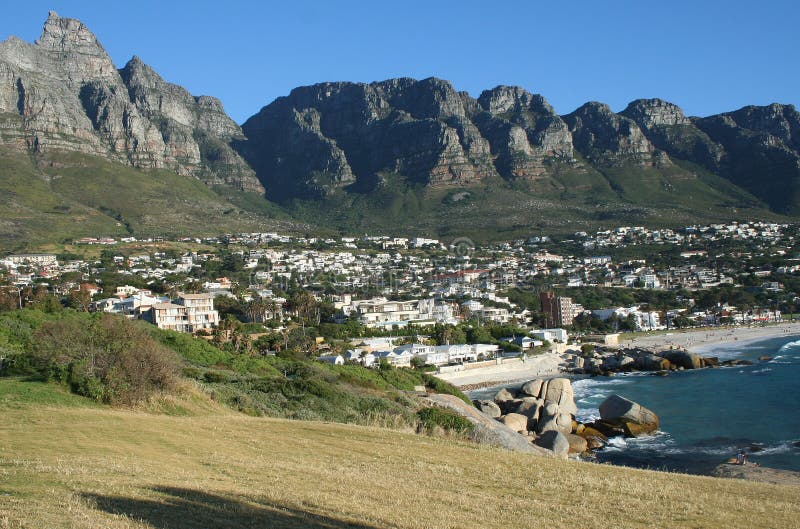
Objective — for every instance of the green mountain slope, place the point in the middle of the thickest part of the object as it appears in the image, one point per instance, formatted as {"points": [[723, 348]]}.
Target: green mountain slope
{"points": [[62, 196]]}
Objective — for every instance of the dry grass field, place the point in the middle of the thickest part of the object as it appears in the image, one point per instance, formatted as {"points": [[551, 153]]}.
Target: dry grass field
{"points": [[187, 464]]}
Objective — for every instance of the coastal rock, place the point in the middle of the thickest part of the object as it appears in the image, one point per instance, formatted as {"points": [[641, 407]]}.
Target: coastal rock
{"points": [[515, 421], [530, 407], [577, 444], [554, 441], [561, 422], [559, 391], [489, 408], [651, 362], [634, 419], [626, 362], [594, 438], [503, 395], [533, 388], [550, 409], [710, 361], [485, 430], [683, 359]]}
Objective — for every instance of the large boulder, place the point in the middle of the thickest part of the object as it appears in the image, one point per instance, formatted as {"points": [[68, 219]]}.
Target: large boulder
{"points": [[554, 441], [626, 362], [594, 438], [530, 406], [503, 395], [561, 422], [577, 444], [484, 430], [559, 391], [488, 407], [532, 388], [550, 409], [515, 421], [634, 419], [651, 362], [683, 359]]}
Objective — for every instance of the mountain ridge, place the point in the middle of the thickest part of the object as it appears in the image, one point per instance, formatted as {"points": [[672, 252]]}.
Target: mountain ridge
{"points": [[403, 154]]}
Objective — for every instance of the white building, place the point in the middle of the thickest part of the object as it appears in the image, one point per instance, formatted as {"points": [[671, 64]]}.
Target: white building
{"points": [[190, 313], [380, 312]]}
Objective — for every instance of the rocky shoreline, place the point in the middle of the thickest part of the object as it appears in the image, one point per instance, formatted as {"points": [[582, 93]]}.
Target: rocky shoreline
{"points": [[753, 472], [658, 360], [541, 417]]}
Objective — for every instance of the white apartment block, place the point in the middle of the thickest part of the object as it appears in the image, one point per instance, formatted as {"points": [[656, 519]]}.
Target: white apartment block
{"points": [[189, 314]]}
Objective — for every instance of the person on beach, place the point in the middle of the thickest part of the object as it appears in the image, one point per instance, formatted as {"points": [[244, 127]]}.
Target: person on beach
{"points": [[741, 458]]}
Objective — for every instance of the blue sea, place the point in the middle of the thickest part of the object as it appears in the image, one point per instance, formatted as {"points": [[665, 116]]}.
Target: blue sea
{"points": [[708, 415]]}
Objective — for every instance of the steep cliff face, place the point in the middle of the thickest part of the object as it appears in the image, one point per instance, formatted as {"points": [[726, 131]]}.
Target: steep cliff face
{"points": [[332, 135], [525, 133], [609, 139], [761, 152], [64, 93], [666, 126]]}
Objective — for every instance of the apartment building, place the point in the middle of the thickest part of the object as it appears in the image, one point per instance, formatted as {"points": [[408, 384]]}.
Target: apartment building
{"points": [[188, 314]]}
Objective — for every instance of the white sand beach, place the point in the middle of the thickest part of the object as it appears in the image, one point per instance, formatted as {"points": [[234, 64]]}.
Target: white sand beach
{"points": [[696, 340], [701, 340]]}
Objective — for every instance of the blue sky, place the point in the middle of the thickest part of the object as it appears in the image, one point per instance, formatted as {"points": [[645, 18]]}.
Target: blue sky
{"points": [[707, 56]]}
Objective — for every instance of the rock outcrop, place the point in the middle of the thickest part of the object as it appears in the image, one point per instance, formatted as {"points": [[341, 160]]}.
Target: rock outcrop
{"points": [[635, 420], [64, 93], [395, 138], [486, 430], [611, 139]]}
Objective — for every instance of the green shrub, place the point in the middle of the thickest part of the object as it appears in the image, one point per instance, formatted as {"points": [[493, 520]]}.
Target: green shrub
{"points": [[440, 386], [216, 377], [449, 421], [106, 358]]}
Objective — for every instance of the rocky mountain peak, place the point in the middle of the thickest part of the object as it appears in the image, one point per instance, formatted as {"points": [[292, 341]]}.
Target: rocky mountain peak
{"points": [[609, 138], [68, 34], [504, 99], [74, 47], [649, 113]]}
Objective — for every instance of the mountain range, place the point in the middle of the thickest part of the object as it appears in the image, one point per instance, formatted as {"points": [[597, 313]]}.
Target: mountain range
{"points": [[86, 148]]}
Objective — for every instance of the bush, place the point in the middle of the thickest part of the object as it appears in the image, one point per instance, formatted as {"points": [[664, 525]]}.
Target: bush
{"points": [[432, 418], [440, 386], [111, 359]]}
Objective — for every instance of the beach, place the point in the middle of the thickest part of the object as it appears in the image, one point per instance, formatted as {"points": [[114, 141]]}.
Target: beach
{"points": [[700, 340], [548, 365]]}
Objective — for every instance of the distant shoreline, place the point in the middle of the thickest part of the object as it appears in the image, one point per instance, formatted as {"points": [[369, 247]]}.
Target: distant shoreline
{"points": [[700, 341]]}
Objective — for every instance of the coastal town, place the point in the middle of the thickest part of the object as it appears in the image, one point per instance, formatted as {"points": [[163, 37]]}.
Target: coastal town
{"points": [[407, 301]]}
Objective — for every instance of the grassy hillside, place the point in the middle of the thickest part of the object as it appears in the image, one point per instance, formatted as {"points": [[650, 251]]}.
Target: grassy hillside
{"points": [[570, 200], [56, 197], [66, 463], [62, 196]]}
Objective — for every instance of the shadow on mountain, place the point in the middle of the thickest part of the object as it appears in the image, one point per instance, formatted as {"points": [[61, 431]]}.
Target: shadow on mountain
{"points": [[178, 508]]}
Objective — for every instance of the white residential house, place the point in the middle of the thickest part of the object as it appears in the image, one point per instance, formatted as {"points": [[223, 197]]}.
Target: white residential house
{"points": [[380, 312], [189, 314], [551, 335], [362, 356], [402, 359], [337, 360]]}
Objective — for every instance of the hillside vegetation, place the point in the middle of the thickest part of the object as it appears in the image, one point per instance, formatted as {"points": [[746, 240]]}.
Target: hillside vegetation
{"points": [[64, 462], [115, 361], [63, 196]]}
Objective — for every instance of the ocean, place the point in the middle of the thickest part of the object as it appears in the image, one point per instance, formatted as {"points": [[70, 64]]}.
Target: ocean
{"points": [[708, 415]]}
